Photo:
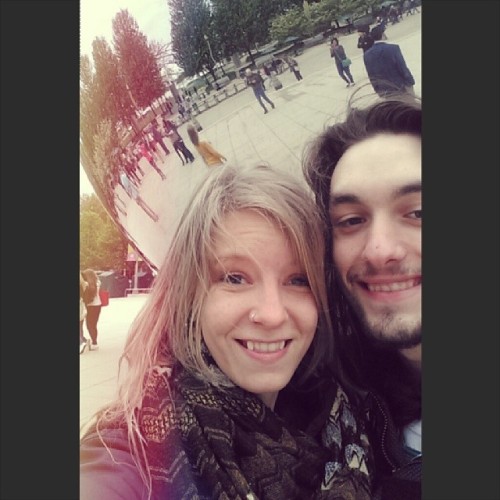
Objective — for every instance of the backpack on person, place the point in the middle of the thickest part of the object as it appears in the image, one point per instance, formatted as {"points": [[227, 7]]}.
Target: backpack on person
{"points": [[275, 82], [89, 294]]}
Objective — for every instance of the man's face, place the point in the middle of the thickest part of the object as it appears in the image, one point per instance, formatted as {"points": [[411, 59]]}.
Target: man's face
{"points": [[376, 214]]}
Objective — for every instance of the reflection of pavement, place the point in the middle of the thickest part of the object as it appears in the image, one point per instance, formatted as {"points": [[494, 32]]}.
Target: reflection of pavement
{"points": [[99, 369], [237, 128]]}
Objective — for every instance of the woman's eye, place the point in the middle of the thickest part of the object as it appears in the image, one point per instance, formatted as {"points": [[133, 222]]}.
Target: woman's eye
{"points": [[299, 280], [233, 278]]}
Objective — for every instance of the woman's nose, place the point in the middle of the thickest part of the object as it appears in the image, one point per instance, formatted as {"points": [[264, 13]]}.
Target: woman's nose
{"points": [[270, 309]]}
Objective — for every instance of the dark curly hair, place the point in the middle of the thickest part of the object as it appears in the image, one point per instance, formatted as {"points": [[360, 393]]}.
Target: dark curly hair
{"points": [[364, 366]]}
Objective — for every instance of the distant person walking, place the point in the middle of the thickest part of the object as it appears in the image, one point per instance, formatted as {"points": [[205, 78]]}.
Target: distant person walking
{"points": [[386, 67], [144, 150], [84, 342], [255, 81], [413, 7], [365, 40], [93, 304], [132, 191], [159, 139], [210, 156], [294, 67], [128, 164], [341, 61], [179, 146]]}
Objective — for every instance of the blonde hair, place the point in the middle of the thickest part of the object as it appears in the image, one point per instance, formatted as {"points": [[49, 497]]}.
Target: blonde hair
{"points": [[168, 326]]}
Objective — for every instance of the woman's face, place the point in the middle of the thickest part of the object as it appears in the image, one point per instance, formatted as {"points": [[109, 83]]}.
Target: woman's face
{"points": [[259, 317]]}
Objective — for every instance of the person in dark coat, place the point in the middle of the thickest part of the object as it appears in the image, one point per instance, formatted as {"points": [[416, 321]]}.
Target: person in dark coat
{"points": [[366, 174], [294, 67], [386, 67], [159, 139], [365, 40], [179, 146]]}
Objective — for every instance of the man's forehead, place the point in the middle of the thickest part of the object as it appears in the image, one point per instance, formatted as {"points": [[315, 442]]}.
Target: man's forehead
{"points": [[383, 162]]}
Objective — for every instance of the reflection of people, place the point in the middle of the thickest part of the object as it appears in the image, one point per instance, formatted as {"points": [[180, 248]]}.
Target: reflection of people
{"points": [[132, 191], [365, 39], [84, 342], [159, 139], [366, 174], [338, 53], [210, 155], [255, 81], [294, 67], [237, 312], [93, 303], [179, 146], [143, 148], [386, 66]]}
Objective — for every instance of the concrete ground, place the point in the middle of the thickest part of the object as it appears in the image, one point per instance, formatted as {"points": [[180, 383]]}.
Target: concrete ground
{"points": [[238, 128]]}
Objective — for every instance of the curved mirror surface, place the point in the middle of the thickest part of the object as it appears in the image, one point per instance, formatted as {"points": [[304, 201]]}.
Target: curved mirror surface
{"points": [[146, 188]]}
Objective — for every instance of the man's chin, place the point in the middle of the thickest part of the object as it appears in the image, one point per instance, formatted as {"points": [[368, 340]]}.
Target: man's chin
{"points": [[395, 343]]}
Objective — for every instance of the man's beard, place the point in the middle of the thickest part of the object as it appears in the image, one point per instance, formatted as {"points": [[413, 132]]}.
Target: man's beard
{"points": [[388, 330]]}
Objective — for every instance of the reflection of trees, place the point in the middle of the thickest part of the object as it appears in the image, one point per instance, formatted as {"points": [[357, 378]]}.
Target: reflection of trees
{"points": [[102, 245], [190, 20], [138, 64], [239, 26], [112, 86]]}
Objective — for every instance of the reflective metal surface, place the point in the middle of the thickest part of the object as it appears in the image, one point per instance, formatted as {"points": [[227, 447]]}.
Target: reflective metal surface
{"points": [[236, 126]]}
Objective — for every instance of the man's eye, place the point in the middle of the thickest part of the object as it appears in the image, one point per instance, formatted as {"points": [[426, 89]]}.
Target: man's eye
{"points": [[351, 221], [416, 214], [233, 278]]}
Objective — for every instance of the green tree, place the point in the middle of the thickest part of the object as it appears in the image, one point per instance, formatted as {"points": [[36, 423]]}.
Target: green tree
{"points": [[102, 244], [292, 23], [105, 154], [111, 93], [323, 13], [358, 7], [90, 114], [190, 21], [241, 24]]}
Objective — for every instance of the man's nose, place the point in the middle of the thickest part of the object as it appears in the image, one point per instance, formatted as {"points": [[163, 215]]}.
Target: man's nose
{"points": [[384, 244]]}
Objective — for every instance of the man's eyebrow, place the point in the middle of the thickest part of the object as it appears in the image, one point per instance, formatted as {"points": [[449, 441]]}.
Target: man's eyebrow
{"points": [[347, 198], [339, 199], [415, 187]]}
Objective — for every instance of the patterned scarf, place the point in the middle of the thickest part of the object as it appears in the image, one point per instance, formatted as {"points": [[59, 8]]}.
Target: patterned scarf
{"points": [[204, 443]]}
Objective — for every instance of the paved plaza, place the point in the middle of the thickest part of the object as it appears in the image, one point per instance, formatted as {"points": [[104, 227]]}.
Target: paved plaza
{"points": [[239, 129]]}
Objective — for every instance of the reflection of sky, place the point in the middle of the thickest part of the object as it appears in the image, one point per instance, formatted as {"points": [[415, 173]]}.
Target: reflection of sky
{"points": [[85, 186], [96, 17]]}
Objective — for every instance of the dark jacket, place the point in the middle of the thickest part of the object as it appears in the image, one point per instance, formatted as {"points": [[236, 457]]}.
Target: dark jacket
{"points": [[255, 81], [398, 471], [384, 63], [338, 54]]}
